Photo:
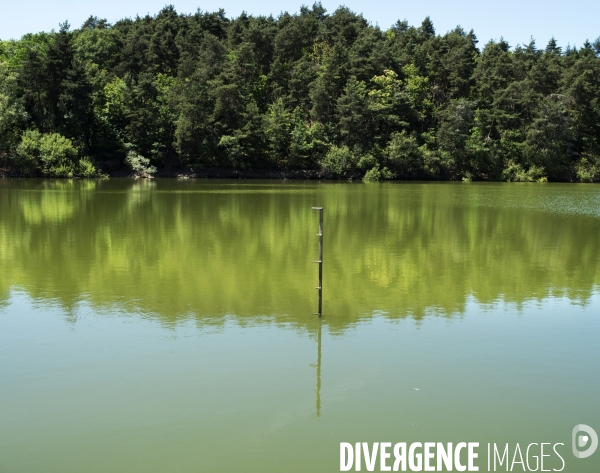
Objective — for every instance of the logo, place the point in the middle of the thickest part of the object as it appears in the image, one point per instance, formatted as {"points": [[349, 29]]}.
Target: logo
{"points": [[582, 434]]}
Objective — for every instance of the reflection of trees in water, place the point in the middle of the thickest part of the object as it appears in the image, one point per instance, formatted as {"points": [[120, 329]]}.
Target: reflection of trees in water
{"points": [[318, 368], [208, 250]]}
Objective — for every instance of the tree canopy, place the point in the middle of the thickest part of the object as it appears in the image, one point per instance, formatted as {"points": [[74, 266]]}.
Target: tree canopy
{"points": [[313, 91]]}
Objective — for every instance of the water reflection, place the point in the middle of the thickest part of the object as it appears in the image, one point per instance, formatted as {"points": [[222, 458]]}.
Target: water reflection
{"points": [[318, 390], [211, 250]]}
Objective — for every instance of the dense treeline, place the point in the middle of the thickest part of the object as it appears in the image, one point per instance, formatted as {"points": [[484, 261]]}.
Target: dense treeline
{"points": [[326, 93]]}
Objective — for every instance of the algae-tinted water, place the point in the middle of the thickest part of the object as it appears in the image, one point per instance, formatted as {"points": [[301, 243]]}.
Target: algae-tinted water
{"points": [[154, 326]]}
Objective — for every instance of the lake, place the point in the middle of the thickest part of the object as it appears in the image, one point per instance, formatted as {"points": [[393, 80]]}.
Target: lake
{"points": [[167, 325]]}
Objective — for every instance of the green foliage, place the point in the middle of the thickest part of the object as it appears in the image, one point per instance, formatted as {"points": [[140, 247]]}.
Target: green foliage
{"points": [[86, 168], [549, 139], [235, 152], [12, 113], [515, 172], [140, 165], [313, 91], [278, 131], [339, 162], [355, 120], [404, 155], [27, 156], [376, 174], [588, 171], [308, 143], [49, 153]]}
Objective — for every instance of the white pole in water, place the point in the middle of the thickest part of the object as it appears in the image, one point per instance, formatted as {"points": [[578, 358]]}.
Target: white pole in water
{"points": [[320, 260]]}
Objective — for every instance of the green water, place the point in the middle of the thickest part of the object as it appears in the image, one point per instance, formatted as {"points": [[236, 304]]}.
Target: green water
{"points": [[165, 326]]}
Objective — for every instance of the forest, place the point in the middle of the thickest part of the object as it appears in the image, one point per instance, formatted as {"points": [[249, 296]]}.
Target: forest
{"points": [[310, 94]]}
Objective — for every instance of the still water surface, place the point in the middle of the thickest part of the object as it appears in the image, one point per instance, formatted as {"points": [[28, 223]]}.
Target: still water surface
{"points": [[165, 326]]}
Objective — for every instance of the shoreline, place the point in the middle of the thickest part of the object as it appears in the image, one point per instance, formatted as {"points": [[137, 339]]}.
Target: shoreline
{"points": [[186, 173], [250, 174]]}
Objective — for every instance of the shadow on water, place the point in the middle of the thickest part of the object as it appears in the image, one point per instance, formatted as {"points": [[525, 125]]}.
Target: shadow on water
{"points": [[213, 251]]}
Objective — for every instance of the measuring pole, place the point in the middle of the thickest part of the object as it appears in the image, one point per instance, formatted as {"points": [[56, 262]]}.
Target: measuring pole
{"points": [[320, 260]]}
